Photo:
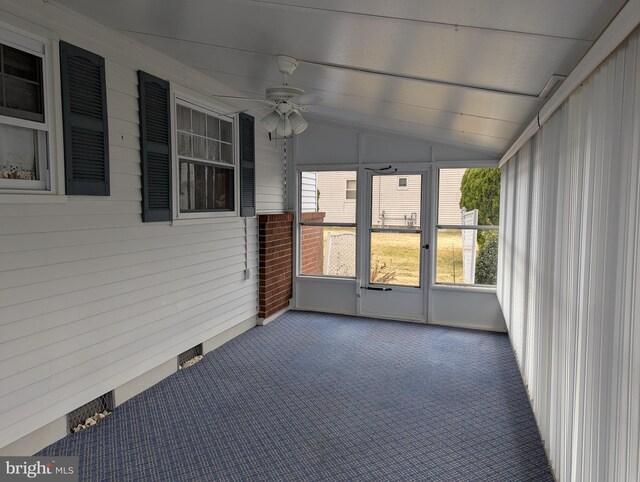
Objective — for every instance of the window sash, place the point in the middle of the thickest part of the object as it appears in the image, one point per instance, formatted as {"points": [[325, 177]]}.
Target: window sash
{"points": [[28, 120], [43, 168], [39, 83], [210, 191], [478, 227], [195, 106]]}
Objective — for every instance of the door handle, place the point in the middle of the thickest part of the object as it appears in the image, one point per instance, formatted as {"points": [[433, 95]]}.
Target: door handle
{"points": [[426, 246], [376, 288]]}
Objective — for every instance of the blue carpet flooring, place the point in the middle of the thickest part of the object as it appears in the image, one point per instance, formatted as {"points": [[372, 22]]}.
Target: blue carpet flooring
{"points": [[325, 397]]}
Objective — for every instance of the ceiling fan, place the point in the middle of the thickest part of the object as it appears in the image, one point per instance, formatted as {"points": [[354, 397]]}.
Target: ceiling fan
{"points": [[285, 102]]}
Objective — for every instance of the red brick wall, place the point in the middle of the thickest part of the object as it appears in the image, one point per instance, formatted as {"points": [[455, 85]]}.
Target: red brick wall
{"points": [[311, 244], [276, 262]]}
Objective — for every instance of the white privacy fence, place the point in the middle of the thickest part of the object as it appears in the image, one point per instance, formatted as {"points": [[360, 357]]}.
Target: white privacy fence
{"points": [[469, 242]]}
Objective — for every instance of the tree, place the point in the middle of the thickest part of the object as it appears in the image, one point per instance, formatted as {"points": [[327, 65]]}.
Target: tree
{"points": [[480, 188], [487, 260]]}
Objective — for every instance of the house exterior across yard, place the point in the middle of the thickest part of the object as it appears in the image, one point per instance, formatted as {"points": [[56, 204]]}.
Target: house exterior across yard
{"points": [[395, 199]]}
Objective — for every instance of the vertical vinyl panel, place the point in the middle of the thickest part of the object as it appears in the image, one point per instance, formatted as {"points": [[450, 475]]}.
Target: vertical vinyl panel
{"points": [[535, 222], [509, 224], [569, 269], [520, 250], [549, 153], [624, 444], [501, 236]]}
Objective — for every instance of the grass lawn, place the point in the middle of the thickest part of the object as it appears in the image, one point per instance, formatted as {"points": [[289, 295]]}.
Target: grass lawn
{"points": [[395, 257], [449, 259]]}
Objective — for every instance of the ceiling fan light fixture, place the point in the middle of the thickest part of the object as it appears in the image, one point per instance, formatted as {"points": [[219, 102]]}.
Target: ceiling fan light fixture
{"points": [[298, 124], [284, 128], [271, 121]]}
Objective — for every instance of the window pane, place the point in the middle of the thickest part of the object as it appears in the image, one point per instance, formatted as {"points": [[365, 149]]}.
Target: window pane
{"points": [[325, 192], [21, 64], [467, 256], [199, 147], [199, 120], [213, 150], [22, 95], [326, 250], [18, 153], [469, 196], [226, 153], [184, 144], [204, 187], [184, 118], [225, 131], [223, 189], [350, 192], [395, 258], [213, 127], [391, 208], [200, 172]]}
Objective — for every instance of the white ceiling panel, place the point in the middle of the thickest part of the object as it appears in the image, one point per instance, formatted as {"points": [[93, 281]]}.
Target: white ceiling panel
{"points": [[577, 19], [460, 71], [252, 73], [490, 59]]}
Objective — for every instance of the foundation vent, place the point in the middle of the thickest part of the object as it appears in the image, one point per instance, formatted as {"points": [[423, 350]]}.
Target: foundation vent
{"points": [[90, 413], [190, 357]]}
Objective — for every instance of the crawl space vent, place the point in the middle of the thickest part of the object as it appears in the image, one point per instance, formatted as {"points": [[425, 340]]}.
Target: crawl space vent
{"points": [[190, 357], [90, 413]]}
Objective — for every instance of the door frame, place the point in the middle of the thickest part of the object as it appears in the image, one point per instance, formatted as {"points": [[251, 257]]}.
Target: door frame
{"points": [[365, 198]]}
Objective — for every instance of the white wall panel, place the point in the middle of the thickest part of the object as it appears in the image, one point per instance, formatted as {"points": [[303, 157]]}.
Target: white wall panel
{"points": [[91, 297], [570, 273]]}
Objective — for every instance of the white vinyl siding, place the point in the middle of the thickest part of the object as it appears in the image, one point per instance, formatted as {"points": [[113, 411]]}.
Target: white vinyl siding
{"points": [[308, 201], [449, 194], [568, 273], [270, 174], [90, 297], [392, 206], [332, 199]]}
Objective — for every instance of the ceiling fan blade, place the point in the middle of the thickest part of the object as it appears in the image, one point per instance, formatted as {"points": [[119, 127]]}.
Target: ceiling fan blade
{"points": [[306, 99], [247, 110], [236, 97]]}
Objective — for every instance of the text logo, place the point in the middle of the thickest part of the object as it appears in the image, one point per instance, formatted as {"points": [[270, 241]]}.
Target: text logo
{"points": [[50, 469]]}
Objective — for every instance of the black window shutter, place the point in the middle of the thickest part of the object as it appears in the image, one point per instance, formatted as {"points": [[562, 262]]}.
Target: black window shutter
{"points": [[84, 115], [155, 147], [247, 166]]}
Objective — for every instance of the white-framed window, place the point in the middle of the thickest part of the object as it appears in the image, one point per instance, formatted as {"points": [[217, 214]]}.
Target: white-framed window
{"points": [[403, 183], [206, 161], [24, 122], [467, 226], [327, 229], [350, 190]]}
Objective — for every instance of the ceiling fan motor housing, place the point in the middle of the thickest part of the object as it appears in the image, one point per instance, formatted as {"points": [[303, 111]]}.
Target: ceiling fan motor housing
{"points": [[283, 93]]}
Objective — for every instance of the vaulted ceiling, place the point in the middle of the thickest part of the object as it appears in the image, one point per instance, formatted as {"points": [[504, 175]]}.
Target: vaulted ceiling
{"points": [[466, 72]]}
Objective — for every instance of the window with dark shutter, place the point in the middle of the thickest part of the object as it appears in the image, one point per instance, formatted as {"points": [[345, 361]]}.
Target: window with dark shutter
{"points": [[247, 166], [155, 147], [84, 115]]}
